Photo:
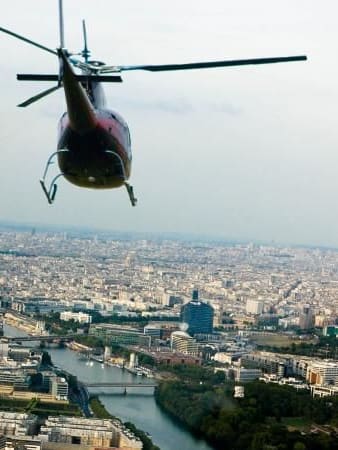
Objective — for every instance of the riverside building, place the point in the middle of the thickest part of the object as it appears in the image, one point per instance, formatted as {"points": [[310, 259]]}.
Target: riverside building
{"points": [[115, 334], [59, 388], [94, 432], [181, 342]]}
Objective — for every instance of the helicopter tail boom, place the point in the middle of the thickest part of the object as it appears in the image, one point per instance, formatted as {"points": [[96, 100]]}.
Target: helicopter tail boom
{"points": [[80, 111]]}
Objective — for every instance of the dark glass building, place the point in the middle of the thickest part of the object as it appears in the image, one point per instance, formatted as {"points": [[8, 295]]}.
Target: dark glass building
{"points": [[198, 315]]}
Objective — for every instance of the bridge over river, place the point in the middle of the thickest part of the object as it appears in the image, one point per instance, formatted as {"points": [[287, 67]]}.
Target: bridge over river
{"points": [[123, 385], [43, 337], [127, 387]]}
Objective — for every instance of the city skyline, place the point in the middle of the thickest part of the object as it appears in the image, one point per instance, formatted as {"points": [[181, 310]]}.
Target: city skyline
{"points": [[245, 153], [266, 316], [101, 233]]}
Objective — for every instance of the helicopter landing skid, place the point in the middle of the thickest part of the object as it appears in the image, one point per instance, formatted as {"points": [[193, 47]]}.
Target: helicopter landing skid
{"points": [[130, 190], [51, 191]]}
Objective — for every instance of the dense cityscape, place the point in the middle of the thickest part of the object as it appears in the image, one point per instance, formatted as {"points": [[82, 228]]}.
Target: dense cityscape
{"points": [[165, 311]]}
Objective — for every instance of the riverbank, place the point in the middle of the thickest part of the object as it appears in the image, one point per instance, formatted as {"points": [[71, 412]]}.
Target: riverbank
{"points": [[138, 406], [24, 323], [100, 412], [259, 420]]}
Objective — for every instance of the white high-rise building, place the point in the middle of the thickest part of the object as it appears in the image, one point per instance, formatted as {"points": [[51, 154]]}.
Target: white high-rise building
{"points": [[254, 306], [133, 361], [107, 353]]}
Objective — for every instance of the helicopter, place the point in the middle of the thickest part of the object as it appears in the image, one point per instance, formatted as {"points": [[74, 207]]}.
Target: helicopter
{"points": [[93, 145]]}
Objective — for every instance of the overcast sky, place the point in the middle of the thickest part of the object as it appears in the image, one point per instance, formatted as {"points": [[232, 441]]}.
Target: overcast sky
{"points": [[246, 153]]}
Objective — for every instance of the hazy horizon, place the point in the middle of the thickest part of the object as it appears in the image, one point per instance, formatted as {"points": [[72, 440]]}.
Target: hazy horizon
{"points": [[75, 231]]}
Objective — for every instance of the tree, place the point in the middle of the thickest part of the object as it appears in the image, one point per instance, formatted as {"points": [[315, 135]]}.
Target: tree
{"points": [[259, 440], [299, 446]]}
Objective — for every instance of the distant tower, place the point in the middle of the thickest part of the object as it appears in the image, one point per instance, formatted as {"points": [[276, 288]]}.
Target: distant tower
{"points": [[40, 327], [198, 315], [254, 307], [195, 295], [306, 318], [133, 361], [107, 353]]}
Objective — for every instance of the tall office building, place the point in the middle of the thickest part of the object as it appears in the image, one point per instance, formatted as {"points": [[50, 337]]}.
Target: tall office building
{"points": [[198, 315], [306, 318]]}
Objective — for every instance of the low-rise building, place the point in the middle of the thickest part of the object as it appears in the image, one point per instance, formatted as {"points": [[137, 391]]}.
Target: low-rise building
{"points": [[94, 432], [21, 443], [115, 334], [17, 424], [323, 391], [16, 378], [21, 354], [227, 357], [181, 342], [269, 363], [173, 358], [76, 316], [323, 373], [245, 375]]}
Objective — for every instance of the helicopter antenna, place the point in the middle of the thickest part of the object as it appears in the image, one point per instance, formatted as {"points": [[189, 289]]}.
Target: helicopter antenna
{"points": [[85, 52], [61, 26]]}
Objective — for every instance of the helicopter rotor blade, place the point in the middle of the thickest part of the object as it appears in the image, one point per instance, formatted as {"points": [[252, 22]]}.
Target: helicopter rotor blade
{"points": [[29, 41], [39, 96], [204, 65]]}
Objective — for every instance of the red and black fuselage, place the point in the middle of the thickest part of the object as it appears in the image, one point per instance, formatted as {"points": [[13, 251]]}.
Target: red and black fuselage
{"points": [[94, 148]]}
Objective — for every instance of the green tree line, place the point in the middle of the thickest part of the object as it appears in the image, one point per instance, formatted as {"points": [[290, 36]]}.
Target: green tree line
{"points": [[252, 423], [326, 347]]}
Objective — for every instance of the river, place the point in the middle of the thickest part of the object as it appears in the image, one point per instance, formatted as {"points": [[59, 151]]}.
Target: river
{"points": [[140, 409]]}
